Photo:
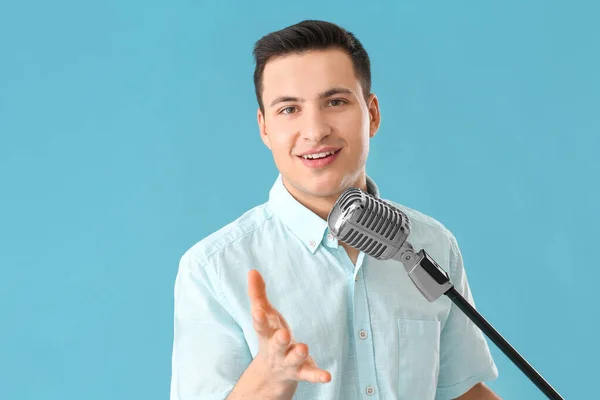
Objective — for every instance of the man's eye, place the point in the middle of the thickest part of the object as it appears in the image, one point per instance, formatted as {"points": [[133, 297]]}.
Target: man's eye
{"points": [[288, 110], [337, 102]]}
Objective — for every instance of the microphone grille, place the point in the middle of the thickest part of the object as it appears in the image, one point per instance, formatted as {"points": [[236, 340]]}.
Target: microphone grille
{"points": [[368, 224], [348, 197]]}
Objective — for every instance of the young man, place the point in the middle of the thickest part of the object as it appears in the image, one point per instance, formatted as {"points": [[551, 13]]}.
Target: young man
{"points": [[335, 324]]}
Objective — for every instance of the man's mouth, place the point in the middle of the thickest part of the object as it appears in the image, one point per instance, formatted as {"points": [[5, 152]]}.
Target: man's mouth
{"points": [[319, 160], [318, 156]]}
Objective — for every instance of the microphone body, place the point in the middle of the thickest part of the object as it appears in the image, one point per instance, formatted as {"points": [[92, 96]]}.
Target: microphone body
{"points": [[381, 230], [376, 228]]}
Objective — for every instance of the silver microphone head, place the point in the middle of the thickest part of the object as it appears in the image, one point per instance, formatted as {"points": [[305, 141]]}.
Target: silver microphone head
{"points": [[368, 224]]}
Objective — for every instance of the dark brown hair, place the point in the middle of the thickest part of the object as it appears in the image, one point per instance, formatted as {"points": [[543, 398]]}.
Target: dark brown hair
{"points": [[310, 35]]}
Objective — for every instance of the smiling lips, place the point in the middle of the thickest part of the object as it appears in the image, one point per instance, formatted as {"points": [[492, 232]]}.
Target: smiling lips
{"points": [[321, 159]]}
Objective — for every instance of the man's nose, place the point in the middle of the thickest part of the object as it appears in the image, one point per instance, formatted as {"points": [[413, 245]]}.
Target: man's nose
{"points": [[316, 126]]}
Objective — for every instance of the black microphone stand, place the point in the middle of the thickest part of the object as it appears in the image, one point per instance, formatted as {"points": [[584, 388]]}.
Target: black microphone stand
{"points": [[433, 281]]}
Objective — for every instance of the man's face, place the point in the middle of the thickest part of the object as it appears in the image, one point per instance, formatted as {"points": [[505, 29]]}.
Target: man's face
{"points": [[314, 102]]}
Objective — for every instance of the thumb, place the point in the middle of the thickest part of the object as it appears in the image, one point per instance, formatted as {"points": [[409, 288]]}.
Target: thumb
{"points": [[257, 291]]}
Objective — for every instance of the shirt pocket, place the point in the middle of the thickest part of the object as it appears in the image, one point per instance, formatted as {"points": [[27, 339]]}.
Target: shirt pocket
{"points": [[418, 358]]}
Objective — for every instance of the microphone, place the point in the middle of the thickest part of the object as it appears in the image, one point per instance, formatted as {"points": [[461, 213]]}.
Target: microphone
{"points": [[381, 230]]}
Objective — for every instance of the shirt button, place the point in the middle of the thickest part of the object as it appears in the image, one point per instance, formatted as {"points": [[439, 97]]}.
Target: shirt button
{"points": [[362, 334], [370, 390], [329, 236], [312, 243], [356, 278]]}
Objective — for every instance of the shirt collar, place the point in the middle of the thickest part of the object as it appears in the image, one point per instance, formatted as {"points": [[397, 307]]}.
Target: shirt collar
{"points": [[305, 224]]}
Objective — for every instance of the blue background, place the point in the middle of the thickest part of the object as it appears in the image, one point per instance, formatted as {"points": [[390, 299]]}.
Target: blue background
{"points": [[128, 133]]}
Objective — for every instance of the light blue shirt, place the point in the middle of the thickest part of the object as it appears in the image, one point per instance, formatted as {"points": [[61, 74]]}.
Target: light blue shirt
{"points": [[368, 325]]}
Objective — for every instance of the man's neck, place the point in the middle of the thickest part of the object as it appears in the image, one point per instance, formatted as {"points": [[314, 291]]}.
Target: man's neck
{"points": [[322, 205]]}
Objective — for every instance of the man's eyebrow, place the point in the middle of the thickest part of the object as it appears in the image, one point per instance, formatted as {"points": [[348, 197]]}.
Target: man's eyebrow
{"points": [[283, 99], [334, 91], [322, 95]]}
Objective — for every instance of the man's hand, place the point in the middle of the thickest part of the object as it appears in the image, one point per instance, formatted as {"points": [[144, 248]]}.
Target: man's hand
{"points": [[281, 362], [284, 359]]}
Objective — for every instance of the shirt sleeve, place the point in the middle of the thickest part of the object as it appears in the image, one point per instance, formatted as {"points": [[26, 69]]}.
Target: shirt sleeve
{"points": [[465, 358], [210, 352]]}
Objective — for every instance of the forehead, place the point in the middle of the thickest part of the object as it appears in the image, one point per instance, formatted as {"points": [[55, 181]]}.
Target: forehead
{"points": [[308, 73]]}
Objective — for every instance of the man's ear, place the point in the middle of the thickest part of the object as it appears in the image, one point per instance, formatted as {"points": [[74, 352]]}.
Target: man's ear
{"points": [[262, 128], [374, 114]]}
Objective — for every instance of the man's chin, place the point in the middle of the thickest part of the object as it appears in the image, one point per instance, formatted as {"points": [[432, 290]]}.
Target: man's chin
{"points": [[326, 185], [324, 188]]}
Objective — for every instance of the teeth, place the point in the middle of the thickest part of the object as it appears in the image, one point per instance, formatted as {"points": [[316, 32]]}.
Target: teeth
{"points": [[317, 155]]}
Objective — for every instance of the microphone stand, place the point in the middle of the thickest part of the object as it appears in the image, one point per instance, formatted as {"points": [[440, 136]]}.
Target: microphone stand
{"points": [[433, 281]]}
